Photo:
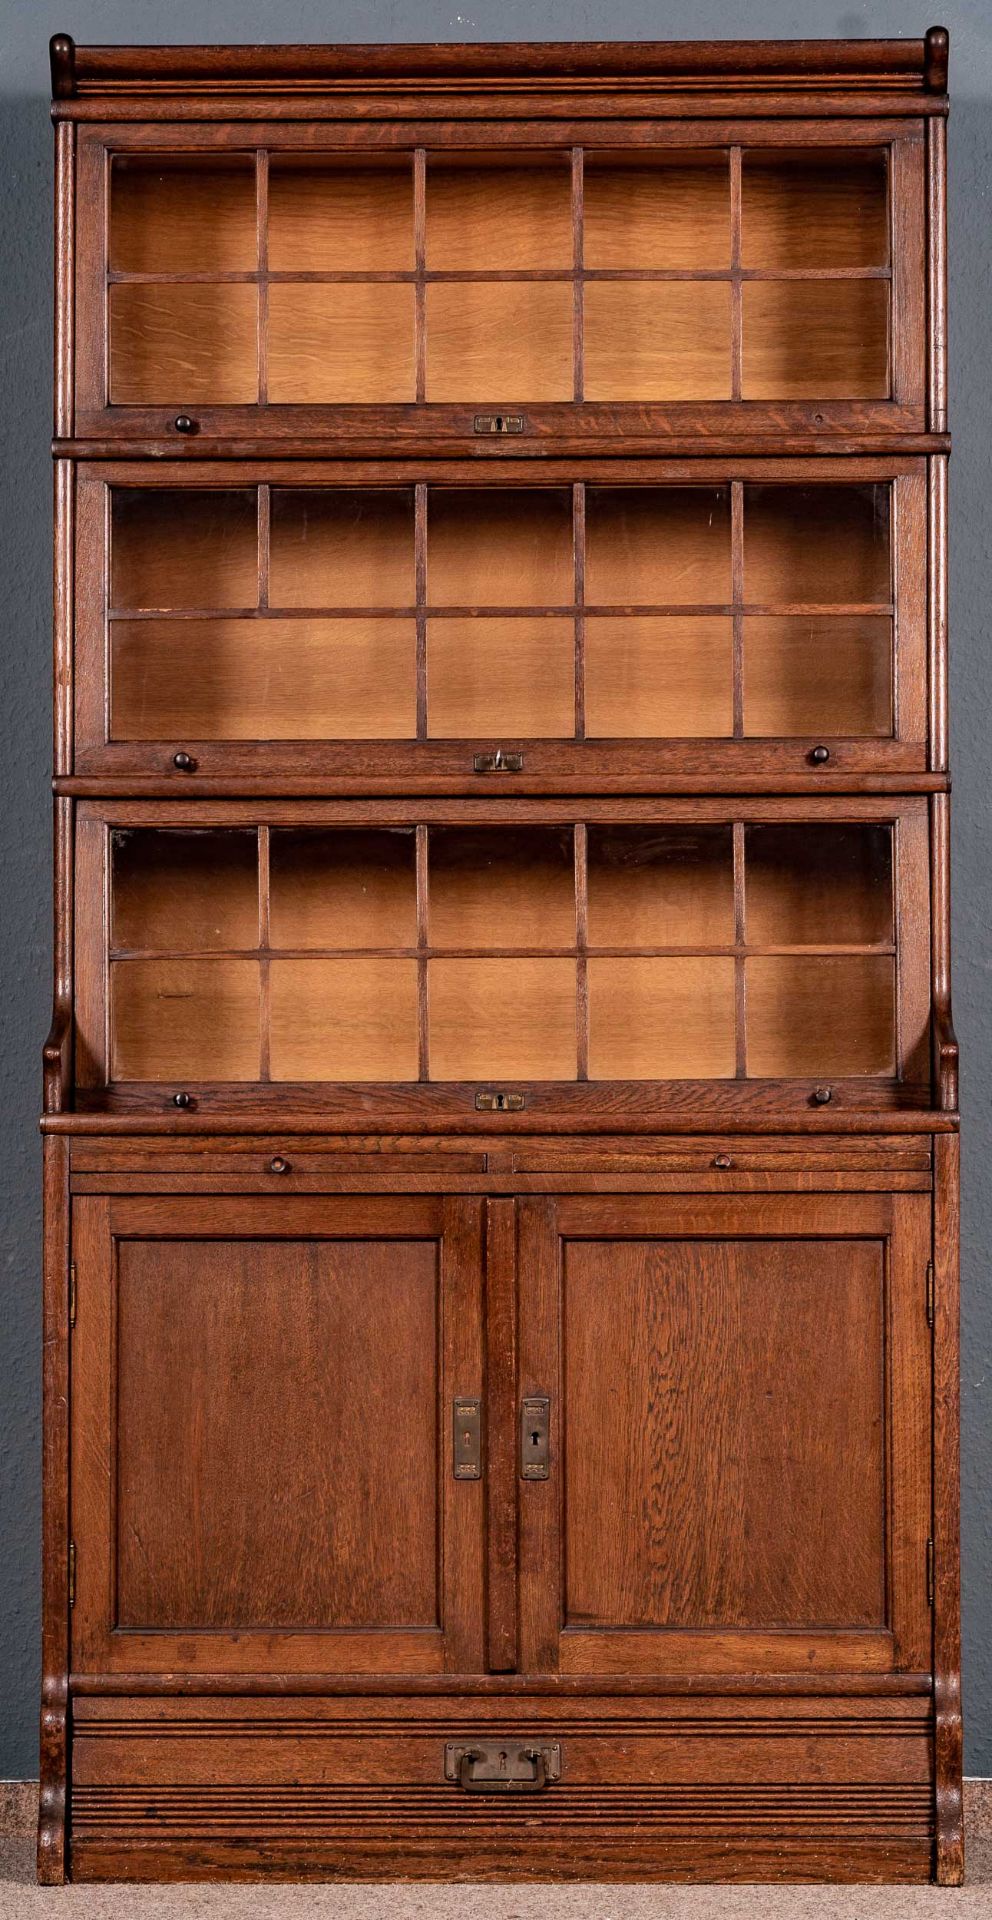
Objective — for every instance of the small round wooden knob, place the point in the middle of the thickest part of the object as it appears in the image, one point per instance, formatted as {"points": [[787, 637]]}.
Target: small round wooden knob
{"points": [[184, 423], [820, 756], [278, 1165], [184, 1101], [822, 1096], [184, 762], [723, 1161]]}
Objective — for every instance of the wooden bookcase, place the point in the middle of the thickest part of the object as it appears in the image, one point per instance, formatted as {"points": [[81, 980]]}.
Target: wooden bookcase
{"points": [[501, 1105]]}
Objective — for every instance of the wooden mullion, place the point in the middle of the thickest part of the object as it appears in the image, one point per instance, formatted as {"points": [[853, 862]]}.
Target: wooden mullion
{"points": [[501, 1436], [264, 499], [262, 226], [423, 983], [420, 265], [582, 946], [736, 287], [737, 598], [264, 925], [579, 564], [578, 247], [420, 594], [740, 937]]}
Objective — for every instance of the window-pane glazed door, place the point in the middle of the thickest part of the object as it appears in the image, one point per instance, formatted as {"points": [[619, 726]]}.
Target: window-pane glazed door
{"points": [[740, 1409]]}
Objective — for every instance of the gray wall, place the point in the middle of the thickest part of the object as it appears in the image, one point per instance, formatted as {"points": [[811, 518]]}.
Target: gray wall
{"points": [[25, 412]]}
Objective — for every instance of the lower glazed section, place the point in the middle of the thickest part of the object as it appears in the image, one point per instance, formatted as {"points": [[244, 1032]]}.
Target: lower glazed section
{"points": [[681, 1789]]}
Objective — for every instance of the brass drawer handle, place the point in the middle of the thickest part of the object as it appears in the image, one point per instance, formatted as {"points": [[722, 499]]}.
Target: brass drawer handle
{"points": [[492, 1766], [278, 1165]]}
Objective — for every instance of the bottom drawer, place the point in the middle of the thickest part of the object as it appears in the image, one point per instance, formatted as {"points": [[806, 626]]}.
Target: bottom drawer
{"points": [[722, 1788]]}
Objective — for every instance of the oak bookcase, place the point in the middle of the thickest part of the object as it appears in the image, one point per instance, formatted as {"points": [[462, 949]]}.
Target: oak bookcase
{"points": [[500, 1111]]}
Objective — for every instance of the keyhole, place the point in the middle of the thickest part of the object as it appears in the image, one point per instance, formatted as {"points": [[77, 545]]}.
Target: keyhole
{"points": [[499, 423], [502, 1763], [534, 1439]]}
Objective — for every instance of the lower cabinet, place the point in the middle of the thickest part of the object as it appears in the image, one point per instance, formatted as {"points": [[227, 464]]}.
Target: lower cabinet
{"points": [[392, 1513]]}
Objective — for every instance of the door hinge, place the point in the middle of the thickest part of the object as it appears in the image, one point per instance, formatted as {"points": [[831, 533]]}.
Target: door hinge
{"points": [[72, 1573], [72, 1296], [930, 1572], [929, 1293]]}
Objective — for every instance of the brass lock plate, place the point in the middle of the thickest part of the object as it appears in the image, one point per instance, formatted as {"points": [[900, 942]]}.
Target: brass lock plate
{"points": [[535, 1436], [503, 1765], [466, 1439]]}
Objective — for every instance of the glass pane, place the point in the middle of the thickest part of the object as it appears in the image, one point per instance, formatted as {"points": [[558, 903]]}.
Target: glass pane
{"points": [[184, 890], [338, 547], [661, 1019], [818, 885], [340, 217], [505, 547], [657, 546], [661, 886], [816, 545], [808, 675], [184, 343], [338, 1020], [349, 888], [183, 216], [820, 1015], [659, 677], [183, 549], [502, 1019], [827, 209], [184, 1019], [264, 680], [499, 342], [657, 340], [656, 213], [816, 339], [486, 216], [500, 677], [338, 342], [501, 887]]}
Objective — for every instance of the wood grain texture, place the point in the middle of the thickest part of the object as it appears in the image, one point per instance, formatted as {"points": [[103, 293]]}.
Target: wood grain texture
{"points": [[184, 890], [817, 545], [483, 214], [825, 1016], [815, 339], [343, 1019], [657, 546], [261, 1489], [170, 218], [727, 1468], [668, 677], [657, 214], [176, 344], [827, 210], [500, 343], [352, 889], [500, 889], [818, 885], [183, 548], [184, 1019], [657, 340], [511, 676], [653, 1019], [660, 887], [263, 679], [502, 1019], [496, 547], [344, 342], [811, 675], [340, 218], [343, 547]]}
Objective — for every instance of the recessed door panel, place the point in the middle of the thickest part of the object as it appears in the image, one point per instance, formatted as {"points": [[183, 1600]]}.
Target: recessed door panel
{"points": [[739, 1469], [273, 1488]]}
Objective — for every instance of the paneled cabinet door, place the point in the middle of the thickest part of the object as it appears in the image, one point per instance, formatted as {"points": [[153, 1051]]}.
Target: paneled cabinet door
{"points": [[739, 1476], [261, 1435]]}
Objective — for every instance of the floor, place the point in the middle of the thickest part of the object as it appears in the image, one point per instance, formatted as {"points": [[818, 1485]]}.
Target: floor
{"points": [[21, 1899]]}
